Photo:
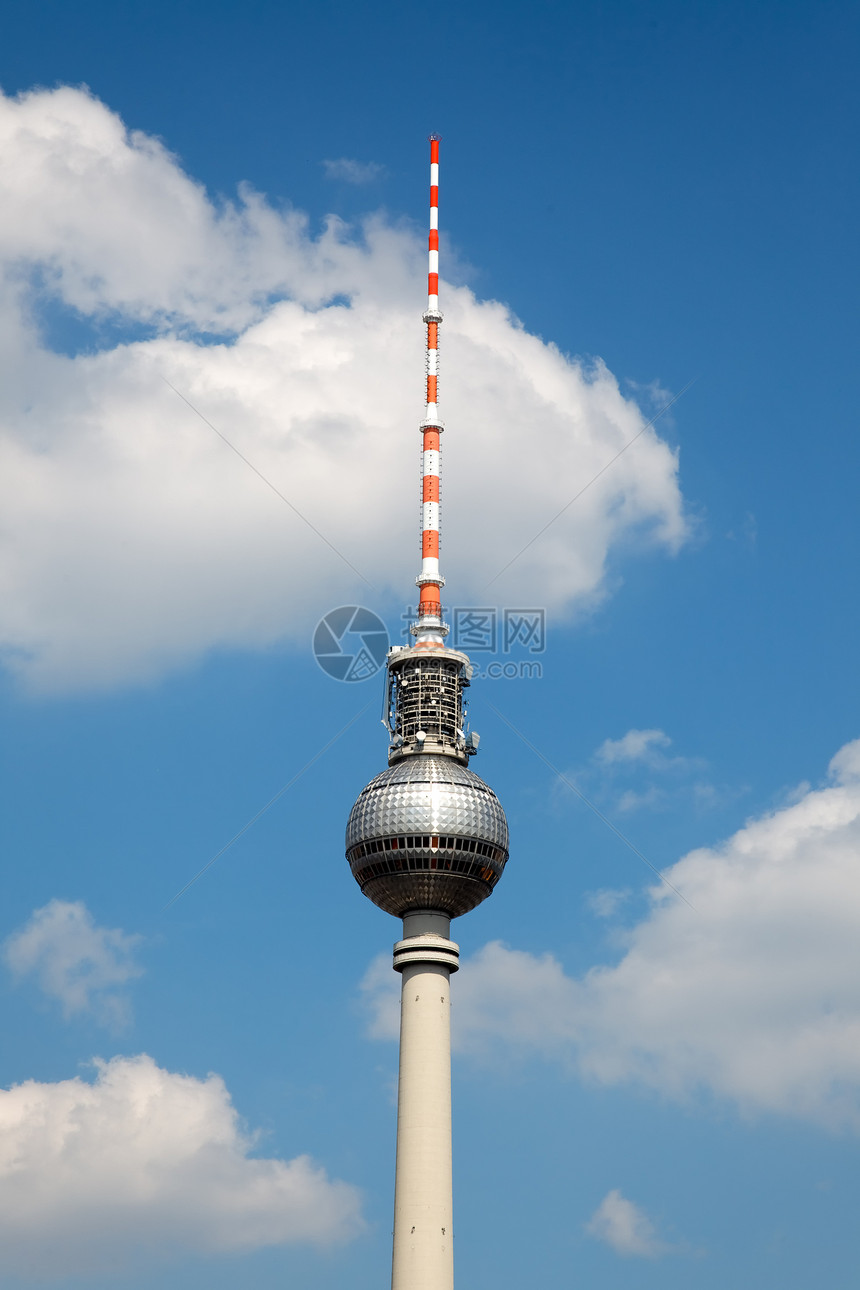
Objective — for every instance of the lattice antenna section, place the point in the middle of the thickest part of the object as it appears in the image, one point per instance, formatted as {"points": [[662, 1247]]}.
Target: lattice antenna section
{"points": [[426, 704]]}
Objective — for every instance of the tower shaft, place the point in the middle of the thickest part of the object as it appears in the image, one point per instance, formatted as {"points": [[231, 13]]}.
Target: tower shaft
{"points": [[423, 1257]]}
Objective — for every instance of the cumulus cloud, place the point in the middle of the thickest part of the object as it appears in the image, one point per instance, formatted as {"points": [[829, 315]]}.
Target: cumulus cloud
{"points": [[640, 772], [353, 172], [753, 995], [649, 799], [634, 746], [74, 961], [143, 1164], [625, 1228], [134, 540], [606, 902], [380, 989]]}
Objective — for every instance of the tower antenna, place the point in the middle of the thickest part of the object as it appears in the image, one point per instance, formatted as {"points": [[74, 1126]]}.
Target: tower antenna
{"points": [[429, 629]]}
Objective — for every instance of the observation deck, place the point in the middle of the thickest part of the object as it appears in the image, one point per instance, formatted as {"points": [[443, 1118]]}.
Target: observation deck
{"points": [[427, 834]]}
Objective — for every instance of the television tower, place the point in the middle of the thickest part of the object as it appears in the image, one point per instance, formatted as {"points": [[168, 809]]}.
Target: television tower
{"points": [[427, 840]]}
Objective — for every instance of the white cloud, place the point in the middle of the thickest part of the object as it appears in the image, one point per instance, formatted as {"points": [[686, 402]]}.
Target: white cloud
{"points": [[142, 1165], [353, 172], [659, 777], [746, 532], [135, 541], [606, 902], [634, 746], [74, 961], [650, 798], [753, 995], [380, 987], [625, 1228]]}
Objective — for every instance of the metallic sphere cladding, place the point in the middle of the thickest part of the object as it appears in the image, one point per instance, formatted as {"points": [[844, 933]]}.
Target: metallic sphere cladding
{"points": [[427, 834]]}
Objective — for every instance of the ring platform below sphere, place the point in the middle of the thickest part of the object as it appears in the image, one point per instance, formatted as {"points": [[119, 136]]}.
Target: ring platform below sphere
{"points": [[427, 834]]}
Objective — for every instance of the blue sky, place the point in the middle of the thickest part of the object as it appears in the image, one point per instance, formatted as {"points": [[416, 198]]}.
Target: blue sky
{"points": [[636, 201]]}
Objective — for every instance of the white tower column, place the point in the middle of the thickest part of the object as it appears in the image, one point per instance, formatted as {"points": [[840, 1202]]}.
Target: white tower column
{"points": [[423, 1202]]}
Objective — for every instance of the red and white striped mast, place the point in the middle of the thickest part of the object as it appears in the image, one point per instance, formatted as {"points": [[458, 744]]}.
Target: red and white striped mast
{"points": [[429, 629]]}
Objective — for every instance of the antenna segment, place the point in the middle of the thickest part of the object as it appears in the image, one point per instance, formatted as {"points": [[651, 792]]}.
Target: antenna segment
{"points": [[429, 629]]}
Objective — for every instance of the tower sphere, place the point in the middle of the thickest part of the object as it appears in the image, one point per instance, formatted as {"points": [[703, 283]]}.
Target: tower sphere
{"points": [[427, 833]]}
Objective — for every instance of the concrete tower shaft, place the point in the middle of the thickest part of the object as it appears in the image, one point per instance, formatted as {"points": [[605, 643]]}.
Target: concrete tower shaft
{"points": [[423, 1252]]}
